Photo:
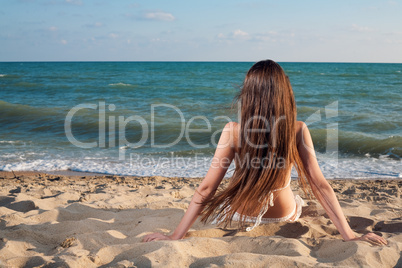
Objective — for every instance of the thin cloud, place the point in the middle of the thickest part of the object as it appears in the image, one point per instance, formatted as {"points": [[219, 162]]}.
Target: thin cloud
{"points": [[113, 35], [393, 3], [361, 29], [270, 36], [240, 34], [236, 34], [160, 16]]}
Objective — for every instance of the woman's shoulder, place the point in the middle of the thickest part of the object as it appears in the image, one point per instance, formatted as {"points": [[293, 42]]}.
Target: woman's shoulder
{"points": [[233, 129], [300, 128], [300, 125], [232, 125]]}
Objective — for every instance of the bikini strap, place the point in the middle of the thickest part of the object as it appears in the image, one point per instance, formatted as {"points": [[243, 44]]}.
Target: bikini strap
{"points": [[262, 212], [287, 185], [268, 203]]}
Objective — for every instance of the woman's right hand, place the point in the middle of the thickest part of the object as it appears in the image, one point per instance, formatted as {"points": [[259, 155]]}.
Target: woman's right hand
{"points": [[373, 239], [156, 237]]}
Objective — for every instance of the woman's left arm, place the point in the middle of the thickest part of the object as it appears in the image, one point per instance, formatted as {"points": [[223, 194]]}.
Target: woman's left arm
{"points": [[224, 155], [324, 192]]}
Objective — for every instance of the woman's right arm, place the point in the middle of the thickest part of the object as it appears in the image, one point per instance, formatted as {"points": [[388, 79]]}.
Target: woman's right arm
{"points": [[323, 190], [224, 155]]}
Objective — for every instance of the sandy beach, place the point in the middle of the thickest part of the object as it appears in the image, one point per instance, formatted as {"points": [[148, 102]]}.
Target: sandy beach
{"points": [[87, 220]]}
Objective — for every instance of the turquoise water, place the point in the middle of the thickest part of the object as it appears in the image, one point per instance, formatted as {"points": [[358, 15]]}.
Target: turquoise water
{"points": [[353, 111]]}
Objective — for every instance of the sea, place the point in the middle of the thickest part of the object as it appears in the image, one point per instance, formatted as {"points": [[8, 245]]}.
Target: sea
{"points": [[165, 118]]}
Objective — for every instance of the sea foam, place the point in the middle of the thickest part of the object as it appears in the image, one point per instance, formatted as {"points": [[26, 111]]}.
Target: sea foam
{"points": [[197, 167], [121, 85]]}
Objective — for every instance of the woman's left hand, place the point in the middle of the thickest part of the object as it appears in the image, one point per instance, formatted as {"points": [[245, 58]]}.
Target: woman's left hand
{"points": [[155, 237], [373, 239]]}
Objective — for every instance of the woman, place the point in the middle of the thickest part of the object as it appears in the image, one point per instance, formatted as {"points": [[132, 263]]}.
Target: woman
{"points": [[265, 146]]}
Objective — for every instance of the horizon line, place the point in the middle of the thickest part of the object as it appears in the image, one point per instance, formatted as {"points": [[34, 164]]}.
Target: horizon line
{"points": [[189, 61]]}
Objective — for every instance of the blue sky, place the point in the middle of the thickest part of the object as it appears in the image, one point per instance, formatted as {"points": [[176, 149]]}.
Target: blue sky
{"points": [[220, 30]]}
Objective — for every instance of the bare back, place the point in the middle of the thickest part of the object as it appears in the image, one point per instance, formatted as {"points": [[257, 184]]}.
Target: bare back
{"points": [[284, 201]]}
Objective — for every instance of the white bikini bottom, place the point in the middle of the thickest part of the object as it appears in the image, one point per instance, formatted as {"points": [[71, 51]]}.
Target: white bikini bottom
{"points": [[295, 214]]}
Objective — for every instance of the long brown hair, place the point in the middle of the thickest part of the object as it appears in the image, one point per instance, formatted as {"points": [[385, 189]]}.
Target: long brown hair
{"points": [[268, 148]]}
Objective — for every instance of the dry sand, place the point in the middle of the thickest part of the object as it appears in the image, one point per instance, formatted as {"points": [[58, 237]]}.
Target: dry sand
{"points": [[90, 221]]}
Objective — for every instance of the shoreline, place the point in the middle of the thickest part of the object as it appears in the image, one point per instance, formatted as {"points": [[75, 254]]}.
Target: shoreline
{"points": [[97, 220], [71, 173]]}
